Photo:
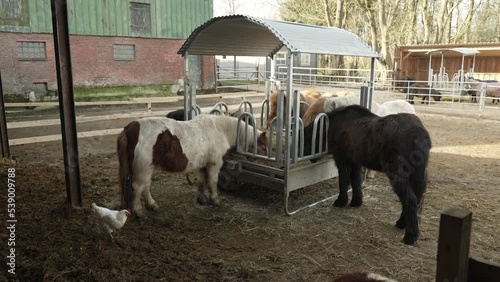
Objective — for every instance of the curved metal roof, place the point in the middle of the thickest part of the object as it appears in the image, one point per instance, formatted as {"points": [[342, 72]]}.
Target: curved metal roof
{"points": [[241, 35], [462, 51]]}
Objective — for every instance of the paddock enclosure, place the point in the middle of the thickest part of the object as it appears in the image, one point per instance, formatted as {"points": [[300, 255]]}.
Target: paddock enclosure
{"points": [[247, 238]]}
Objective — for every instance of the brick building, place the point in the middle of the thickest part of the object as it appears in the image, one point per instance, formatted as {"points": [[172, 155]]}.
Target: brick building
{"points": [[112, 43]]}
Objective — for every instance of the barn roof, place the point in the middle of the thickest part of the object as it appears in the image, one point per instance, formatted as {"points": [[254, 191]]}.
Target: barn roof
{"points": [[240, 35], [486, 49]]}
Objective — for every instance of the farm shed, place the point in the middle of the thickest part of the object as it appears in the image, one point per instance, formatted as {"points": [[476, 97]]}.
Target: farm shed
{"points": [[110, 42], [240, 35], [413, 61], [307, 63]]}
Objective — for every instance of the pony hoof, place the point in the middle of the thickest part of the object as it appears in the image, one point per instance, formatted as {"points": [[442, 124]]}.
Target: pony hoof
{"points": [[140, 213], [410, 239], [356, 202], [400, 224], [216, 202], [340, 203], [153, 207], [202, 200]]}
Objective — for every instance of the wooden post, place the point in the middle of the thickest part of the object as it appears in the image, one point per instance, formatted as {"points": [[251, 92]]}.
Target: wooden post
{"points": [[453, 245], [484, 271], [3, 125], [66, 101]]}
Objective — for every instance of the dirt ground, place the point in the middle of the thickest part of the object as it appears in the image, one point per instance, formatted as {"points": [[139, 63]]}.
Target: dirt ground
{"points": [[248, 238]]}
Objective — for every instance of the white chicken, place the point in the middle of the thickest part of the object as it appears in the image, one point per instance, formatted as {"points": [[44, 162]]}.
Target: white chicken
{"points": [[111, 220]]}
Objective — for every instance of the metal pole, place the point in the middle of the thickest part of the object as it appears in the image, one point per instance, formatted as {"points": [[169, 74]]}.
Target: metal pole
{"points": [[187, 92], [288, 111], [462, 73], [429, 75], [471, 74], [216, 73], [235, 74], [66, 101], [371, 85], [3, 124]]}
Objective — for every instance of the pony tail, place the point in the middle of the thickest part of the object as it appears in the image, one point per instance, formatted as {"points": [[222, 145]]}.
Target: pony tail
{"points": [[125, 170], [418, 179]]}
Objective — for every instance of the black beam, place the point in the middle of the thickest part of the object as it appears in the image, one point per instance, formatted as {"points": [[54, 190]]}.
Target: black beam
{"points": [[66, 101], [3, 124]]}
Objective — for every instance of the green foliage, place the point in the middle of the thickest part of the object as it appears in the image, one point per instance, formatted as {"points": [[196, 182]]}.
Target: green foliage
{"points": [[120, 93]]}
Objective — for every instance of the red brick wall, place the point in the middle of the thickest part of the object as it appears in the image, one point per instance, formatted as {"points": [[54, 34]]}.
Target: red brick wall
{"points": [[156, 62]]}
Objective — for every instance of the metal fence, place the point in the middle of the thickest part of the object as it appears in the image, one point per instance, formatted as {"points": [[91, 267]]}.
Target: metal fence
{"points": [[455, 95], [240, 75]]}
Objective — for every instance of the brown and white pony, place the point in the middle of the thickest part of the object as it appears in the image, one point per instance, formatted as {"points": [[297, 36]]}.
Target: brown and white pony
{"points": [[324, 104], [307, 96], [363, 277], [198, 145]]}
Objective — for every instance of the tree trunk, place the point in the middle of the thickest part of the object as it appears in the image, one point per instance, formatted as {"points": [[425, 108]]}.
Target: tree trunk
{"points": [[327, 13], [464, 29], [440, 21], [427, 17], [339, 14]]}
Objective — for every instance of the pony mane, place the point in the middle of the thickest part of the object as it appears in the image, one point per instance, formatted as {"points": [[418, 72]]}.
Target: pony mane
{"points": [[357, 110], [229, 124]]}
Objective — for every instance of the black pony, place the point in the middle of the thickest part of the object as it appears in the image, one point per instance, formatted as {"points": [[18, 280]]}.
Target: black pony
{"points": [[397, 145], [420, 89]]}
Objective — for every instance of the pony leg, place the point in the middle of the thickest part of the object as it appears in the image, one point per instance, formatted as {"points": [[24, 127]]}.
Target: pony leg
{"points": [[212, 177], [148, 199], [356, 181], [401, 222], [344, 179], [411, 208], [202, 179], [139, 186], [408, 218]]}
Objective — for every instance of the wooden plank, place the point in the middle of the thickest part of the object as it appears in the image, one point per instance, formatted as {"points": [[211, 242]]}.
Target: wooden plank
{"points": [[86, 15], [453, 245], [93, 10], [159, 19], [156, 100], [118, 17], [79, 15], [55, 104], [56, 137], [132, 101], [32, 7], [484, 271], [111, 18], [82, 119]]}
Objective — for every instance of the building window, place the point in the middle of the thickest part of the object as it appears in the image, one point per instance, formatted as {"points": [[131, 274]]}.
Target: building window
{"points": [[123, 52], [140, 17], [31, 50], [281, 58], [14, 12], [305, 60]]}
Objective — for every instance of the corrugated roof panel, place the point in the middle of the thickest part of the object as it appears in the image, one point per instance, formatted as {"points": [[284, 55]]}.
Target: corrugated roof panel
{"points": [[248, 36], [463, 51]]}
